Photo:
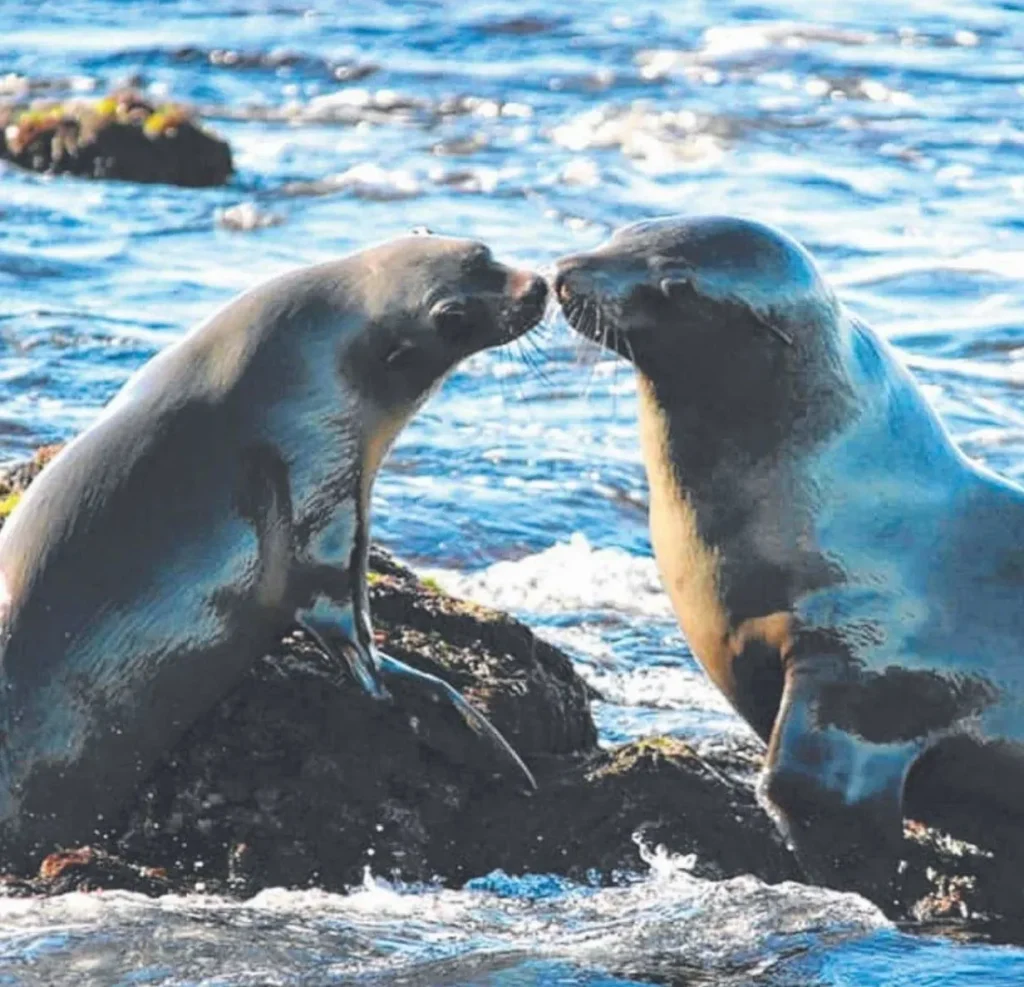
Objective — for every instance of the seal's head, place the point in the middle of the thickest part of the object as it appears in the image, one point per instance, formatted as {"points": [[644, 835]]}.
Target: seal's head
{"points": [[430, 302], [698, 292]]}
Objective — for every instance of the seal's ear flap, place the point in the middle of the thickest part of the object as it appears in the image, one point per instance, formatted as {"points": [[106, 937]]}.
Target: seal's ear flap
{"points": [[836, 797]]}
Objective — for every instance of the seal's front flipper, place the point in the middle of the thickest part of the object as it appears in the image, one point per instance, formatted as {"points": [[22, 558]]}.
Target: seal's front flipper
{"points": [[400, 676], [332, 626], [836, 796]]}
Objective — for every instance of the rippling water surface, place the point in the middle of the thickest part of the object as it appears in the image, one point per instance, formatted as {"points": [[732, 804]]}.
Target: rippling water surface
{"points": [[886, 134]]}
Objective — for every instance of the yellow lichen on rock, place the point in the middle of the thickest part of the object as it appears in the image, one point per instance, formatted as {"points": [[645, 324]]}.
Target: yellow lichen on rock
{"points": [[8, 503]]}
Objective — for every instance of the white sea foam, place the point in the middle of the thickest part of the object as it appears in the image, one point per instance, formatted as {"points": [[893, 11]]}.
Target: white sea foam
{"points": [[370, 181], [657, 140], [624, 639], [571, 576], [675, 687], [246, 216], [382, 932]]}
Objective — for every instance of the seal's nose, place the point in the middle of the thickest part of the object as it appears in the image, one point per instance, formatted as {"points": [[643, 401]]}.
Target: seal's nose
{"points": [[567, 278], [536, 292], [561, 287], [529, 290]]}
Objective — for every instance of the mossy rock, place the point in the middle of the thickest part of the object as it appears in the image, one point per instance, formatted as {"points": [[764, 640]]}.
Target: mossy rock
{"points": [[121, 136]]}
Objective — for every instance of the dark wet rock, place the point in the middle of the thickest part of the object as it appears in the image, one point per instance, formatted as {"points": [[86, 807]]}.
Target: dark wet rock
{"points": [[521, 26], [121, 136], [87, 869], [462, 146], [354, 71], [296, 778], [948, 879], [590, 814]]}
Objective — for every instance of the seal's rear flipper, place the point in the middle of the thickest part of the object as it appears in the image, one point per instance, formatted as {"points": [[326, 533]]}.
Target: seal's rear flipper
{"points": [[398, 675], [332, 627], [836, 796]]}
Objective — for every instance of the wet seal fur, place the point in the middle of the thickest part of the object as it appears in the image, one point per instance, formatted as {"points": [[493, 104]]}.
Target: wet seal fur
{"points": [[847, 578], [221, 498]]}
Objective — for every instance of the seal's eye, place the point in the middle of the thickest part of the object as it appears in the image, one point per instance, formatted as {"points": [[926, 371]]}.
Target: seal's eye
{"points": [[479, 260], [451, 319]]}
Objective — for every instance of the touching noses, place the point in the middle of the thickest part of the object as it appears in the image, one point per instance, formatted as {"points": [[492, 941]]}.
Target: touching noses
{"points": [[569, 278], [529, 289], [536, 292]]}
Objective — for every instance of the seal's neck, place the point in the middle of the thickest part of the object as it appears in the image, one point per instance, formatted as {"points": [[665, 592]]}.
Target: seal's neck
{"points": [[727, 514]]}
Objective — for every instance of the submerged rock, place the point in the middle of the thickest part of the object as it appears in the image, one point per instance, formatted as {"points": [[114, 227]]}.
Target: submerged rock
{"points": [[298, 779], [120, 136]]}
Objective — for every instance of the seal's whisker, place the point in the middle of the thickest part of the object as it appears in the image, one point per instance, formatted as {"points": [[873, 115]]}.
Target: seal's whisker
{"points": [[534, 356], [526, 358], [601, 324], [624, 337], [583, 320], [602, 317], [592, 323], [629, 348], [504, 357], [576, 313], [591, 313], [778, 333]]}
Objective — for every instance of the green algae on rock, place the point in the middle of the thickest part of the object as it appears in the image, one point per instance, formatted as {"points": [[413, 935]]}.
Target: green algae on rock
{"points": [[121, 136]]}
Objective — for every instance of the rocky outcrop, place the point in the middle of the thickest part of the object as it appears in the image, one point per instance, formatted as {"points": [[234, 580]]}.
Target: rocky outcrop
{"points": [[297, 778], [121, 136]]}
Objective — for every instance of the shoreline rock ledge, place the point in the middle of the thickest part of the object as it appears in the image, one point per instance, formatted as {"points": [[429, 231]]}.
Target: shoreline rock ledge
{"points": [[297, 779]]}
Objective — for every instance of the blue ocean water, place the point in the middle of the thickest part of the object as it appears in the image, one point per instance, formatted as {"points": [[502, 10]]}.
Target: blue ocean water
{"points": [[888, 135]]}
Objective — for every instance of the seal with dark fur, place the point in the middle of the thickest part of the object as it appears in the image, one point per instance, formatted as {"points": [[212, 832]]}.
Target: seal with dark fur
{"points": [[847, 578], [222, 497]]}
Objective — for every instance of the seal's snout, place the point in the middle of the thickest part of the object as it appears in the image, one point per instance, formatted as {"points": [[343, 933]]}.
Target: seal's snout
{"points": [[569, 274], [534, 293], [529, 293]]}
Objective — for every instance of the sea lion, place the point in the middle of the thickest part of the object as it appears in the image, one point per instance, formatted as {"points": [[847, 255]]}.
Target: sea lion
{"points": [[222, 497], [847, 578]]}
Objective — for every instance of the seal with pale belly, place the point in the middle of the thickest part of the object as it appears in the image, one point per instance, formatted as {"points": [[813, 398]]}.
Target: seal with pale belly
{"points": [[846, 577], [222, 497]]}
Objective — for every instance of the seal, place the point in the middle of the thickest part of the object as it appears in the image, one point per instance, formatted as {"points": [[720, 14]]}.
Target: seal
{"points": [[220, 499], [846, 577]]}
